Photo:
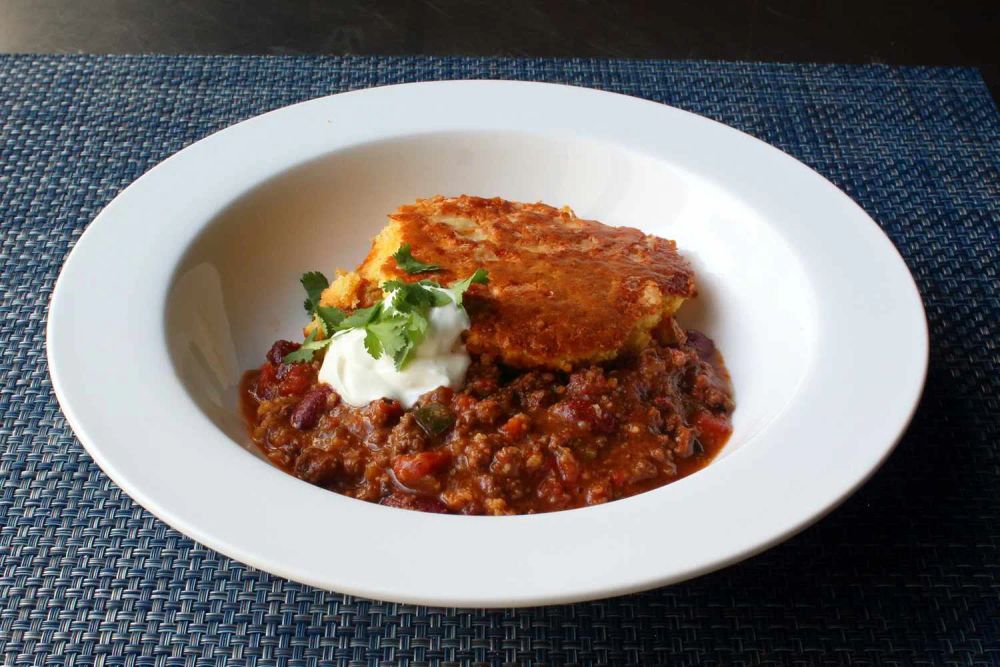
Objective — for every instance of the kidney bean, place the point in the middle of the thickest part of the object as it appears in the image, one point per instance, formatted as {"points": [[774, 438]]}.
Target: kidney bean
{"points": [[702, 344], [308, 411], [592, 415], [276, 355], [428, 504], [317, 466], [419, 503]]}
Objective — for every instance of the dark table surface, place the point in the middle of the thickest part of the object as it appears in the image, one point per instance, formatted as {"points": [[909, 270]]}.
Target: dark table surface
{"points": [[904, 573], [898, 33]]}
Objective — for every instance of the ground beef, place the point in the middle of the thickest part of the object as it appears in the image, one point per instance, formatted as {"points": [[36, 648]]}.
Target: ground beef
{"points": [[512, 441]]}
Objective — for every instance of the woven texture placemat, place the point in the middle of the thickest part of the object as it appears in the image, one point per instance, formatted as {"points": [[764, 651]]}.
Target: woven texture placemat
{"points": [[905, 572]]}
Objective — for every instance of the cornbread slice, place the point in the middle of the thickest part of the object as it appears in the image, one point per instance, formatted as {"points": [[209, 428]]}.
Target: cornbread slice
{"points": [[562, 290]]}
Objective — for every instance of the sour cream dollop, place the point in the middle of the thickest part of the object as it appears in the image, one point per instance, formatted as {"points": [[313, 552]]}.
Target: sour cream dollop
{"points": [[439, 361]]}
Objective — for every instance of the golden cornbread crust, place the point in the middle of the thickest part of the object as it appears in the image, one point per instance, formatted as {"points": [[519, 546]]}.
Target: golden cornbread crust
{"points": [[562, 290]]}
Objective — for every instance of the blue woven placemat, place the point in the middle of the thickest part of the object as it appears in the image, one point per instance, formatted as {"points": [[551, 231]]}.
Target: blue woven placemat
{"points": [[906, 572]]}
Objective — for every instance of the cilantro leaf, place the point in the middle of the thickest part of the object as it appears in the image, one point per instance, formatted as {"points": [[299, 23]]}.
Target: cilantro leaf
{"points": [[417, 326], [373, 345], [440, 298], [308, 349], [391, 335], [422, 295], [330, 317], [408, 263], [360, 317], [459, 287], [314, 283], [393, 285]]}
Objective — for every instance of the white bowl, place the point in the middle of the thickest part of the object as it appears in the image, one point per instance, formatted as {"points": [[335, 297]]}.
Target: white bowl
{"points": [[185, 279]]}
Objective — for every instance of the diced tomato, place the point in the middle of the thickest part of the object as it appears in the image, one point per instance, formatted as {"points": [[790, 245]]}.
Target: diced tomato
{"points": [[296, 380], [265, 380], [713, 430], [410, 469], [515, 427]]}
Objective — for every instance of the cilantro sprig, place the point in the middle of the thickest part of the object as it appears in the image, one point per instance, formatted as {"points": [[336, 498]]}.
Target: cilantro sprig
{"points": [[394, 326], [407, 262], [314, 283], [307, 350], [458, 288]]}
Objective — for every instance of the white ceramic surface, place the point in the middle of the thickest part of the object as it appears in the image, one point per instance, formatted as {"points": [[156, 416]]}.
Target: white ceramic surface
{"points": [[185, 279]]}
